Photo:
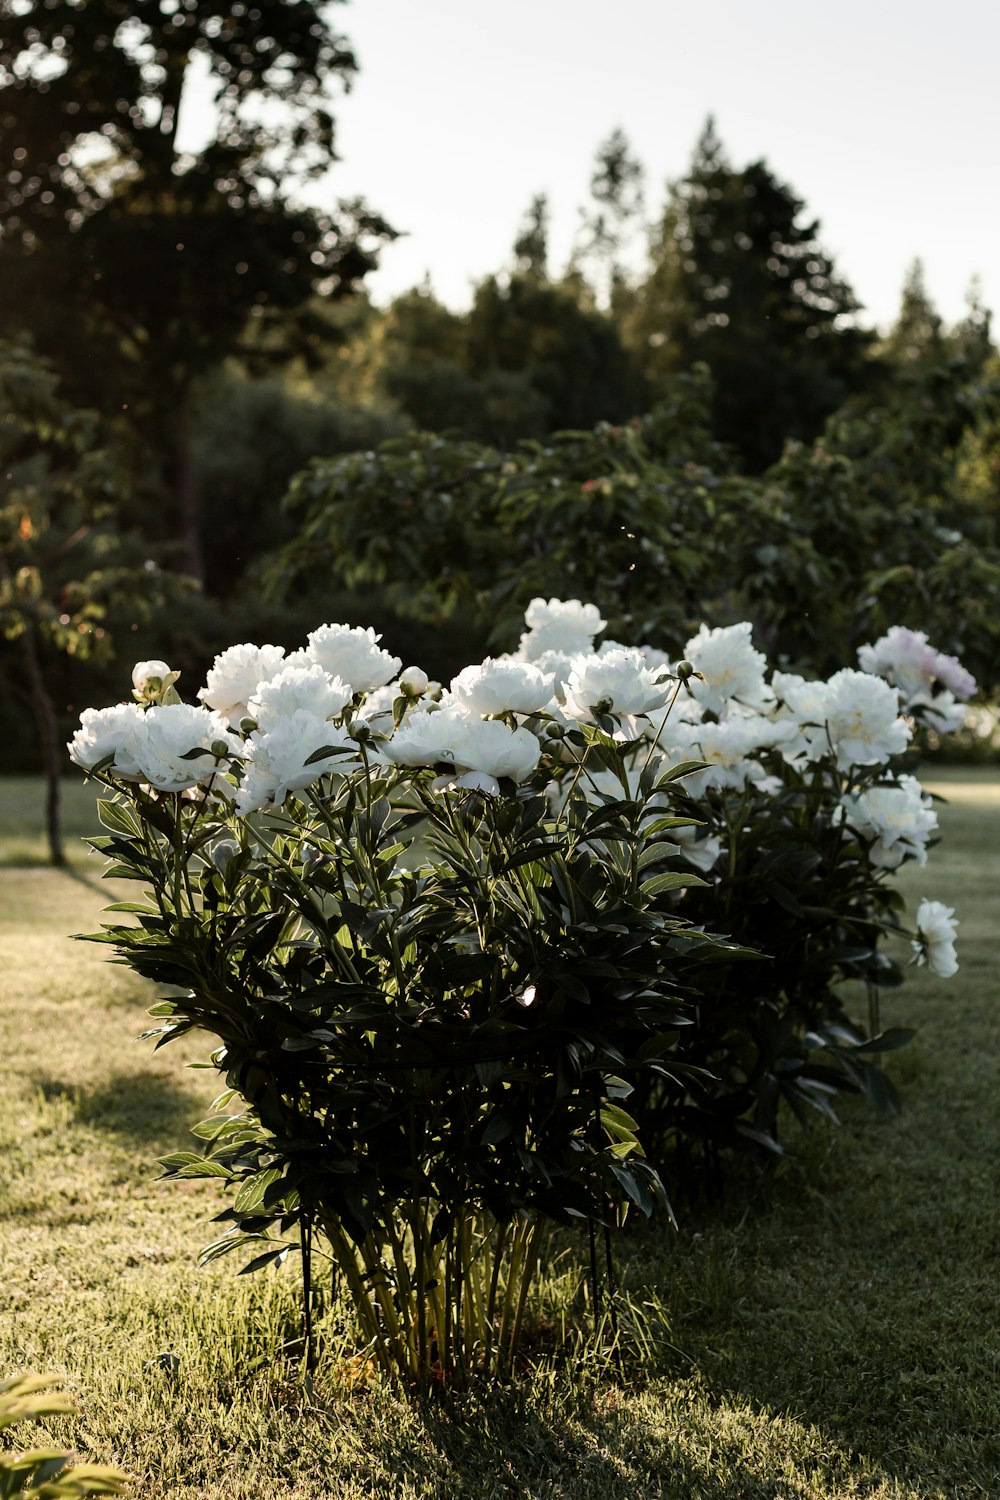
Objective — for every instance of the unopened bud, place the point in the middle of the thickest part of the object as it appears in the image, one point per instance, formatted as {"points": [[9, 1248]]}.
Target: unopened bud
{"points": [[414, 682], [147, 675], [223, 852]]}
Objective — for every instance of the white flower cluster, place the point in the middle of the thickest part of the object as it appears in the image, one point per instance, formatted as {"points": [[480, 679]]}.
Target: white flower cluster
{"points": [[270, 725]]}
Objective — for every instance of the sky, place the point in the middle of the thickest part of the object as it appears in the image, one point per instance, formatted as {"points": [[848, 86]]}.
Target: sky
{"points": [[883, 116]]}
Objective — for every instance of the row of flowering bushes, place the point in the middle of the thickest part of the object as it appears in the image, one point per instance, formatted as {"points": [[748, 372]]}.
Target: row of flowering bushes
{"points": [[486, 958]]}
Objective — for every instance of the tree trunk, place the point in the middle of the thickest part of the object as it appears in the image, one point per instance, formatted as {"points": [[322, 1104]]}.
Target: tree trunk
{"points": [[188, 530], [48, 740]]}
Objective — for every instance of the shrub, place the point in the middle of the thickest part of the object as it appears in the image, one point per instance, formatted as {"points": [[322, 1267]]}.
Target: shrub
{"points": [[429, 987], [439, 942]]}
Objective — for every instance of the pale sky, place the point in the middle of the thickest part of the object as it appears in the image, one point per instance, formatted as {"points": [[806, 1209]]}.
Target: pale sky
{"points": [[883, 115]]}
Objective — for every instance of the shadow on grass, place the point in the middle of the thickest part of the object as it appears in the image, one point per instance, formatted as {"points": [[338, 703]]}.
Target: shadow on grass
{"points": [[143, 1107], [85, 878], [609, 1446]]}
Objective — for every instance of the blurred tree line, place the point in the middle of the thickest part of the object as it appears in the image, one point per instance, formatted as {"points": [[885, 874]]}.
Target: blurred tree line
{"points": [[216, 328]]}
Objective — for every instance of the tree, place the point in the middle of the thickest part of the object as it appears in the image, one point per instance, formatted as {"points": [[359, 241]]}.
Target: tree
{"points": [[139, 264], [738, 281], [971, 338], [571, 356], [67, 567], [916, 337], [531, 247], [617, 186]]}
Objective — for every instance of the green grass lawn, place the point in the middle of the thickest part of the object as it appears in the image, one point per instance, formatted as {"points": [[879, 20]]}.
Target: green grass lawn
{"points": [[22, 818], [832, 1331]]}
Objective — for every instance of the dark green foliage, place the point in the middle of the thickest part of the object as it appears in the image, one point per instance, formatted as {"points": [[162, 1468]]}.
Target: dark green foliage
{"points": [[72, 570], [799, 886], [138, 265], [417, 1044], [248, 440], [865, 529]]}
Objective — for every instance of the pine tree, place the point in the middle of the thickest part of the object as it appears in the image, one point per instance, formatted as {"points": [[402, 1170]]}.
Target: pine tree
{"points": [[916, 337], [738, 281], [531, 247], [617, 187]]}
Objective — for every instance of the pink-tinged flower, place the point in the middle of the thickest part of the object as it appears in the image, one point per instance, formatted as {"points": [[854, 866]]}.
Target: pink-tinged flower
{"points": [[954, 678], [908, 660], [935, 941]]}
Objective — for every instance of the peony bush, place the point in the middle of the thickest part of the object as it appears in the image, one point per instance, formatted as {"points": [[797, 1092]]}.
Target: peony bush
{"points": [[432, 952], [441, 936]]}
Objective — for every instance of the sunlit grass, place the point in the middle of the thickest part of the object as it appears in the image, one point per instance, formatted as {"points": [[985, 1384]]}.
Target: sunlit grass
{"points": [[830, 1331], [22, 818]]}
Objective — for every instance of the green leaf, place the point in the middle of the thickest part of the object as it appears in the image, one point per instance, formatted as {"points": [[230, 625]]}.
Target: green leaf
{"points": [[670, 880], [118, 818], [251, 1194], [618, 1122]]}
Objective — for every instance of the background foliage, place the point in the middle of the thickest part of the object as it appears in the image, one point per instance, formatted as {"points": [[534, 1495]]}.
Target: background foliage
{"points": [[240, 344]]}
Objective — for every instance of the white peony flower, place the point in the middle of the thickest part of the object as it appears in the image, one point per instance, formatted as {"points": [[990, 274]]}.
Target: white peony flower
{"points": [[899, 819], [491, 750], [480, 750], [430, 738], [108, 731], [236, 675], [275, 759], [862, 720], [353, 653], [298, 687], [169, 733], [935, 941], [618, 683], [731, 667], [502, 685], [562, 625], [556, 664], [939, 711], [802, 711], [728, 747], [699, 848]]}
